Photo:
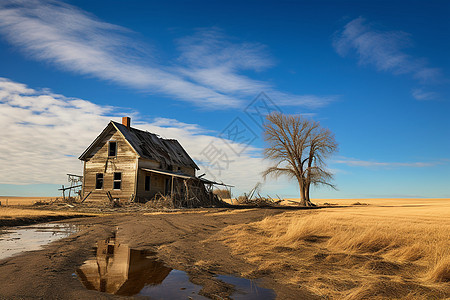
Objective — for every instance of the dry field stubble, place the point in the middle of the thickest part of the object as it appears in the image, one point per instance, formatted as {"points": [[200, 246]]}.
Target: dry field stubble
{"points": [[15, 216], [7, 201], [400, 249], [10, 212]]}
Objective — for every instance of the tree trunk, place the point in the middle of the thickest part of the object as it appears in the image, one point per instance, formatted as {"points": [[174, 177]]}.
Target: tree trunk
{"points": [[303, 201], [308, 200], [304, 194]]}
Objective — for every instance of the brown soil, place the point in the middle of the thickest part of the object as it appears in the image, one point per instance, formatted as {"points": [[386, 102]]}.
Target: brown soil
{"points": [[182, 240]]}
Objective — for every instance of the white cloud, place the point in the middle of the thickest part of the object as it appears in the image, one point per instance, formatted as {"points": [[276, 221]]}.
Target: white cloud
{"points": [[207, 73], [211, 59], [43, 134], [422, 95], [382, 49], [373, 164], [211, 47]]}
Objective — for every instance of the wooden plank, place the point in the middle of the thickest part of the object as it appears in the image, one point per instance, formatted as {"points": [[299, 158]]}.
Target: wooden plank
{"points": [[86, 197], [69, 187]]}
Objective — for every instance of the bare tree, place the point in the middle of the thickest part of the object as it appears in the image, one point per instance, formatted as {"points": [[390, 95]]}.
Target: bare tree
{"points": [[299, 148]]}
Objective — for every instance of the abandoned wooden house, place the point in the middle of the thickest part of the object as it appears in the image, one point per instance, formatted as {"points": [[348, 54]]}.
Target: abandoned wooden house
{"points": [[130, 165]]}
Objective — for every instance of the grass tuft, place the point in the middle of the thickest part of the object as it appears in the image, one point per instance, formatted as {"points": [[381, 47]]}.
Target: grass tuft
{"points": [[358, 252]]}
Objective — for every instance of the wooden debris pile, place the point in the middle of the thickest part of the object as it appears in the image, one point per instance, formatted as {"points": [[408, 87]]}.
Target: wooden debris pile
{"points": [[187, 193], [254, 198]]}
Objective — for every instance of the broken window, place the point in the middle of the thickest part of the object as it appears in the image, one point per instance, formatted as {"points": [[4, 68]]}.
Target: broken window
{"points": [[117, 185], [112, 149], [99, 181], [147, 183]]}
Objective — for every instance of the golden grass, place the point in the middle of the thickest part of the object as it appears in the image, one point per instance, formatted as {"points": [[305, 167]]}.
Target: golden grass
{"points": [[386, 201], [358, 201], [6, 201], [360, 252], [19, 213], [176, 212], [232, 212]]}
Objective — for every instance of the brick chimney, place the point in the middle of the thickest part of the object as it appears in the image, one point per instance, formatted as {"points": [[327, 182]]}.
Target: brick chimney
{"points": [[126, 121]]}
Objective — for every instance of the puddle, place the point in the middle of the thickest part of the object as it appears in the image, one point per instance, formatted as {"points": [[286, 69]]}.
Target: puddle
{"points": [[175, 286], [29, 238], [118, 269], [247, 289]]}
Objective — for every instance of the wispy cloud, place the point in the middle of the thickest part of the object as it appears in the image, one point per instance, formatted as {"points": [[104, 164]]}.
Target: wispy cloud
{"points": [[383, 49], [210, 58], [212, 47], [376, 164], [43, 134], [420, 94], [208, 72]]}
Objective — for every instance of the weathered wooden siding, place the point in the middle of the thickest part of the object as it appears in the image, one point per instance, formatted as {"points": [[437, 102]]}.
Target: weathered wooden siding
{"points": [[149, 163], [152, 164], [157, 185], [188, 171], [157, 181], [125, 162]]}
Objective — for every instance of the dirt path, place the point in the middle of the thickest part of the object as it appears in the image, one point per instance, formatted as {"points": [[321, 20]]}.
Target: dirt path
{"points": [[185, 241]]}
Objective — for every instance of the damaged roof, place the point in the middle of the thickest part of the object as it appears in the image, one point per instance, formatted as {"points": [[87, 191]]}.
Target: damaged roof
{"points": [[148, 145]]}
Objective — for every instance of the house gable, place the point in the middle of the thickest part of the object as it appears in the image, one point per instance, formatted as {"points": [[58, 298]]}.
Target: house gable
{"points": [[118, 173], [110, 133]]}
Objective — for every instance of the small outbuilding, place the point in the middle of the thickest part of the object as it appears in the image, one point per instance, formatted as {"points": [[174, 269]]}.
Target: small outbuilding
{"points": [[130, 165]]}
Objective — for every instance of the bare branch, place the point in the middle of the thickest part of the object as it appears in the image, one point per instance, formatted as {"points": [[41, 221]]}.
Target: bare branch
{"points": [[298, 147]]}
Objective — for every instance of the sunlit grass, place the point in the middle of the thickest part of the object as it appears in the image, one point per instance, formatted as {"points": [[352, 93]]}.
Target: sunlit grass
{"points": [[6, 201], [16, 213], [356, 252]]}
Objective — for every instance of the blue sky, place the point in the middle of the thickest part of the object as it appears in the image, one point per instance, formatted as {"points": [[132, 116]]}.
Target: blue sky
{"points": [[376, 73]]}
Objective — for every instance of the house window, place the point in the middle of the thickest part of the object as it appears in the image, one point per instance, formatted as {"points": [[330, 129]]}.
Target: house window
{"points": [[112, 151], [117, 185], [99, 181], [147, 183]]}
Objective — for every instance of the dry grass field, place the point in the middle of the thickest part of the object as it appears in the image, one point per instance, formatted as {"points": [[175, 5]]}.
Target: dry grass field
{"points": [[10, 212], [390, 248], [7, 201], [362, 249], [383, 201], [14, 216]]}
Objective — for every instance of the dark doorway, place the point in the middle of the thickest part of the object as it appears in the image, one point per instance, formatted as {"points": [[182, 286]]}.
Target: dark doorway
{"points": [[168, 186]]}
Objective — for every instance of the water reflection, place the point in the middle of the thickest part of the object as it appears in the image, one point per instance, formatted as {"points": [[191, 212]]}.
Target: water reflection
{"points": [[247, 289], [28, 238], [119, 270]]}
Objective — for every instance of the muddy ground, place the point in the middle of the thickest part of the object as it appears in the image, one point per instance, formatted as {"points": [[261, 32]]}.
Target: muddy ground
{"points": [[185, 241]]}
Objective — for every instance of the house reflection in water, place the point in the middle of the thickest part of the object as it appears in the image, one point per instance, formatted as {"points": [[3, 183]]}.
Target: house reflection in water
{"points": [[119, 270]]}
